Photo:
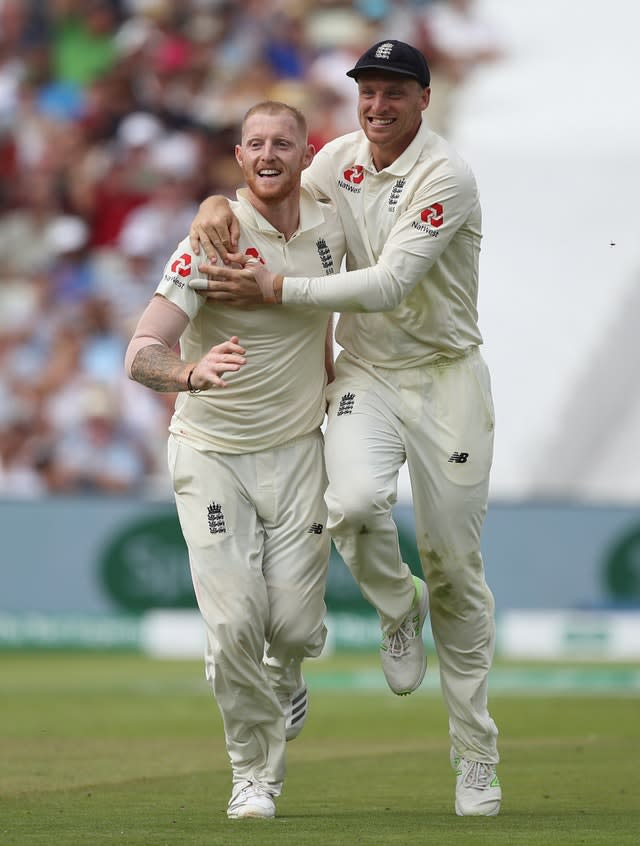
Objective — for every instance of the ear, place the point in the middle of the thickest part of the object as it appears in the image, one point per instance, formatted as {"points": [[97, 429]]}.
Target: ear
{"points": [[309, 153], [238, 152], [426, 96]]}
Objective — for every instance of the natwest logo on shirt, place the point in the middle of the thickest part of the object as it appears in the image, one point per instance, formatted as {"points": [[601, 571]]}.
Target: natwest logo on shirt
{"points": [[182, 265], [433, 215], [351, 178], [253, 253], [431, 219], [354, 174]]}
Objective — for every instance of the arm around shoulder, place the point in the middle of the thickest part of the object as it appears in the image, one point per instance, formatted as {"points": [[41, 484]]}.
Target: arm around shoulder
{"points": [[422, 232], [215, 228]]}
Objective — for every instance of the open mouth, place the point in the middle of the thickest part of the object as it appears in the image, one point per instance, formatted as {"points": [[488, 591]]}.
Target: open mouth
{"points": [[374, 121], [268, 173]]}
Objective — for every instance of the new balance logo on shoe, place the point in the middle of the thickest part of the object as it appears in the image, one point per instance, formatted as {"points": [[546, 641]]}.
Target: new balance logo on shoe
{"points": [[459, 457], [215, 518], [347, 402], [315, 529]]}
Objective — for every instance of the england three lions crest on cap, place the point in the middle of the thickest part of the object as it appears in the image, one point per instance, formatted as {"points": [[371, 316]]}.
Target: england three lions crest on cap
{"points": [[384, 50]]}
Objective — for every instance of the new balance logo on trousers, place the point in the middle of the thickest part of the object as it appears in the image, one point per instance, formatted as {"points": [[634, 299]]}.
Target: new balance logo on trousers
{"points": [[459, 457]]}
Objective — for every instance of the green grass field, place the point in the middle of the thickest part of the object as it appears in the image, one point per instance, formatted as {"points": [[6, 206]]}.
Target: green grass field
{"points": [[122, 749]]}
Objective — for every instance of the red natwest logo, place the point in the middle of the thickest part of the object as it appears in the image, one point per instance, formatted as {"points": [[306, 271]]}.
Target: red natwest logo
{"points": [[251, 251], [182, 265], [354, 174], [433, 215]]}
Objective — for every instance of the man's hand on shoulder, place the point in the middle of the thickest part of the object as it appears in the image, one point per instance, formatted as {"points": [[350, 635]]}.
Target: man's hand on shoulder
{"points": [[215, 229], [250, 284]]}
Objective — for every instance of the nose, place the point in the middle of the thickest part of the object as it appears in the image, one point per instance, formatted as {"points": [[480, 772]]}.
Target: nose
{"points": [[378, 103], [268, 150]]}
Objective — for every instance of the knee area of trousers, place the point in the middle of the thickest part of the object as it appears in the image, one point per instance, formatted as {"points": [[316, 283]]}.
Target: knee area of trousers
{"points": [[459, 597], [356, 508], [293, 639], [230, 638]]}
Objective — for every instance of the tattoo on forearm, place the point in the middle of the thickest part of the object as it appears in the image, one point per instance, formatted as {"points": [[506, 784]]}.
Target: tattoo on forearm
{"points": [[159, 368]]}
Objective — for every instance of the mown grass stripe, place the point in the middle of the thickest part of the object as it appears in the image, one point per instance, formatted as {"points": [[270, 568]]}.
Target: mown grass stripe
{"points": [[585, 680]]}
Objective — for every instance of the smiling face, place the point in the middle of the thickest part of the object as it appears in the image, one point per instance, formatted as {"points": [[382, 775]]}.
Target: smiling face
{"points": [[390, 110], [273, 153]]}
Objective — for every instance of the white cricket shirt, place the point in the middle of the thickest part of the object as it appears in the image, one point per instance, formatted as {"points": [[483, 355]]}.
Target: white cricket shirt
{"points": [[413, 235], [278, 395]]}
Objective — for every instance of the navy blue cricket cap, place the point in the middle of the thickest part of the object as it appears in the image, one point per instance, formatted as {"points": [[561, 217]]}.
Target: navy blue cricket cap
{"points": [[394, 57]]}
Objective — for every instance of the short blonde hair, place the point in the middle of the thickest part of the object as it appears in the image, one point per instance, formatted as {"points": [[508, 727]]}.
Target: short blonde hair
{"points": [[275, 107]]}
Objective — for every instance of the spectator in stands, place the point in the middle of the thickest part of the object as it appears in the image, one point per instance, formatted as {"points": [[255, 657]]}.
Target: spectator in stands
{"points": [[83, 39], [456, 39], [36, 202], [99, 454], [19, 474], [173, 201]]}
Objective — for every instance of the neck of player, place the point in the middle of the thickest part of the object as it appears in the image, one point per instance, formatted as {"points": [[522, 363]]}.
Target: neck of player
{"points": [[283, 214]]}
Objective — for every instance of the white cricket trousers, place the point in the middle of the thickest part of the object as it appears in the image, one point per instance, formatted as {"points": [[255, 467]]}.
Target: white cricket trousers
{"points": [[255, 527], [439, 419]]}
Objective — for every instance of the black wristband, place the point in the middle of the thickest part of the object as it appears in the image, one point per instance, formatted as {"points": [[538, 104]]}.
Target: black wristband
{"points": [[192, 390]]}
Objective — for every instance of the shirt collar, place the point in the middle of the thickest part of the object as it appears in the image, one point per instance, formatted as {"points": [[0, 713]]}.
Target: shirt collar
{"points": [[310, 212], [405, 161]]}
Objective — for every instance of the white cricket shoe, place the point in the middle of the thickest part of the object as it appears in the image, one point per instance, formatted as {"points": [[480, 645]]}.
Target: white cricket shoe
{"points": [[403, 654], [250, 801], [478, 791]]}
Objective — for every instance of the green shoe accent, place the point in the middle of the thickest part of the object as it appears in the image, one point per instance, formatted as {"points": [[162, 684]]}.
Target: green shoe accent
{"points": [[418, 583]]}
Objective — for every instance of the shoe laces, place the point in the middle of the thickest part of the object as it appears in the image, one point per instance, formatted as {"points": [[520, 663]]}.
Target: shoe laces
{"points": [[398, 643], [239, 789], [479, 775], [243, 788]]}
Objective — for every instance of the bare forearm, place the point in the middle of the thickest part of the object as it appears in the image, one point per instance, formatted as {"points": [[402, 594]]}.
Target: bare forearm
{"points": [[160, 369]]}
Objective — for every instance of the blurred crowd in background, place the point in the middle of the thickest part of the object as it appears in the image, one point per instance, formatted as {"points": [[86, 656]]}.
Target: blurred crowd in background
{"points": [[116, 118]]}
